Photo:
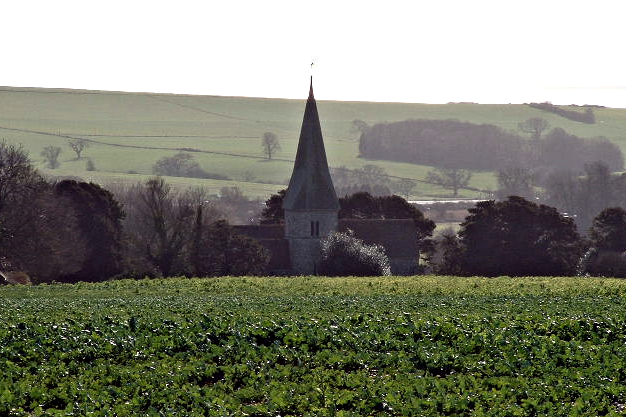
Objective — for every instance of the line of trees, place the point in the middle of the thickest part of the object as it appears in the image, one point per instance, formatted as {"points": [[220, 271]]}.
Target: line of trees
{"points": [[462, 145], [372, 179], [580, 195], [75, 231], [586, 116], [516, 237]]}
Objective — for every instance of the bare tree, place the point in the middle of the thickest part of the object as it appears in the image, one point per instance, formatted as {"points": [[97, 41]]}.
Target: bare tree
{"points": [[159, 222], [370, 174], [515, 181], [535, 126], [170, 223], [78, 146], [269, 143], [451, 178], [248, 176], [16, 172], [51, 156], [404, 187]]}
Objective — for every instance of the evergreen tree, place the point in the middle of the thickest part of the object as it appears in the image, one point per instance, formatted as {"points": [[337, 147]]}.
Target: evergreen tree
{"points": [[99, 218], [519, 238]]}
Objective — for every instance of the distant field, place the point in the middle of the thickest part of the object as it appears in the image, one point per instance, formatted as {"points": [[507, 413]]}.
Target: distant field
{"points": [[315, 346], [127, 128]]}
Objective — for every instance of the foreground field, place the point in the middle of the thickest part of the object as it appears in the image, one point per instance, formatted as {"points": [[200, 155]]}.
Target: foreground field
{"points": [[315, 346]]}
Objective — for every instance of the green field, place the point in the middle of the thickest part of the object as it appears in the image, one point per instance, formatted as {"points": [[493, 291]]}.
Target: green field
{"points": [[127, 128], [315, 346]]}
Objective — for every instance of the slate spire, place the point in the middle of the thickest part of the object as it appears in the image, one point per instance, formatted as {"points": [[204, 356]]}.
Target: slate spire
{"points": [[310, 186]]}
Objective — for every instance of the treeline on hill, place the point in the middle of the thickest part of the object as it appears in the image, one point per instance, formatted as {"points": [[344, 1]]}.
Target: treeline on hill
{"points": [[463, 145], [585, 116]]}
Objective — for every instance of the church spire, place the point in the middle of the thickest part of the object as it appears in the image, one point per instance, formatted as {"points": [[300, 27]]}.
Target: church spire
{"points": [[310, 186], [311, 90]]}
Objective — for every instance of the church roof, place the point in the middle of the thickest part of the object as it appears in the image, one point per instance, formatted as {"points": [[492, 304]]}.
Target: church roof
{"points": [[397, 236], [310, 186]]}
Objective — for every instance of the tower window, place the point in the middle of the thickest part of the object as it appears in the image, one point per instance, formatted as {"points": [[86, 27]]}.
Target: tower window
{"points": [[315, 228]]}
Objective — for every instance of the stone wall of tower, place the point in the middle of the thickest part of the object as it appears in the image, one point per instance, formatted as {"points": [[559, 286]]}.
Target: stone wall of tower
{"points": [[304, 230]]}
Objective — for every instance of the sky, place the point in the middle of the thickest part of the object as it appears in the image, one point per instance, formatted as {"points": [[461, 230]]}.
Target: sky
{"points": [[436, 51]]}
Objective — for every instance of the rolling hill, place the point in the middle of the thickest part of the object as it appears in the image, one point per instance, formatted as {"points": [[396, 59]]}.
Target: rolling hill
{"points": [[129, 132]]}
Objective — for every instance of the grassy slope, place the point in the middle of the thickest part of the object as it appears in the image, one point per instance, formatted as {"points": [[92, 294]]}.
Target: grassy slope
{"points": [[227, 130]]}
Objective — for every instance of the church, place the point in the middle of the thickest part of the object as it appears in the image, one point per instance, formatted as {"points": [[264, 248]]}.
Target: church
{"points": [[312, 212]]}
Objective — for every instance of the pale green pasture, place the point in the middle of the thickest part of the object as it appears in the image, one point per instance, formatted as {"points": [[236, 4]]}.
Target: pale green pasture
{"points": [[234, 125]]}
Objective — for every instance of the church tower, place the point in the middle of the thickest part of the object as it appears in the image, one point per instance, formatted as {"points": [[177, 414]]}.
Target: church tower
{"points": [[311, 205]]}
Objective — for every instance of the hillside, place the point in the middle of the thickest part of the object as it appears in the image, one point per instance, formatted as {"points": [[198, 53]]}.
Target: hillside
{"points": [[129, 132]]}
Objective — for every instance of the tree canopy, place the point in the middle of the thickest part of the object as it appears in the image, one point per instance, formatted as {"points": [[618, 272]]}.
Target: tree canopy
{"points": [[519, 238], [99, 217]]}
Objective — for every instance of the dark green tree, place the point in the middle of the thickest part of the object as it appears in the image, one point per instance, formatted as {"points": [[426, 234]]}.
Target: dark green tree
{"points": [[519, 238], [273, 212], [606, 255], [608, 230], [99, 218], [37, 231]]}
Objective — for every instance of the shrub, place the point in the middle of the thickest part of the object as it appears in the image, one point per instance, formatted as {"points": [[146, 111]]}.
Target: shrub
{"points": [[14, 277], [345, 255], [183, 165], [90, 166], [603, 263]]}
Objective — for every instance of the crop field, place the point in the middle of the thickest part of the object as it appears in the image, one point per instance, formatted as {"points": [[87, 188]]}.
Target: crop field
{"points": [[129, 132], [315, 346]]}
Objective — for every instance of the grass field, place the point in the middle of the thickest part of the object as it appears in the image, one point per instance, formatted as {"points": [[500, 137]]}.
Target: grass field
{"points": [[315, 346], [127, 130]]}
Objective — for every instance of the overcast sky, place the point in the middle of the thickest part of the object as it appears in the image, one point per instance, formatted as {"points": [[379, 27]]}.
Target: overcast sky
{"points": [[433, 51]]}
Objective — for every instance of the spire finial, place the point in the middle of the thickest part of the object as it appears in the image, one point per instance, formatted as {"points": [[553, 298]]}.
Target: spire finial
{"points": [[311, 88]]}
